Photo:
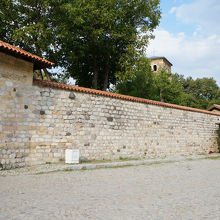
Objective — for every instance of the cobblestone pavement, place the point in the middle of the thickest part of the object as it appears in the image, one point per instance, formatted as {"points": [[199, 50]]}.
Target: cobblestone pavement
{"points": [[180, 190]]}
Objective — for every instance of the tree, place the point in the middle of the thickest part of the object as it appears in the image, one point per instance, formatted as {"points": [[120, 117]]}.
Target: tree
{"points": [[90, 39], [140, 85], [161, 86], [103, 36], [213, 101], [167, 88], [201, 92], [30, 25]]}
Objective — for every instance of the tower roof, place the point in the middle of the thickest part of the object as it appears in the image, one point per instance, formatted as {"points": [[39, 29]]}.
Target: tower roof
{"points": [[160, 57]]}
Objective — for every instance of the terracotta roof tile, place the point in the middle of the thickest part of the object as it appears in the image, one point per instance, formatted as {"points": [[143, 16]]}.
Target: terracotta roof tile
{"points": [[39, 63], [214, 107], [119, 96]]}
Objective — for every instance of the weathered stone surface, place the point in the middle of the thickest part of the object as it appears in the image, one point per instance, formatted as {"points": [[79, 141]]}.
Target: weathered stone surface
{"points": [[72, 95], [100, 127]]}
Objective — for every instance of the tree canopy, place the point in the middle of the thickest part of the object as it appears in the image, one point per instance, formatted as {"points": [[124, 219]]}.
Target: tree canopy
{"points": [[201, 92], [140, 84], [171, 88], [101, 43], [94, 41], [161, 86]]}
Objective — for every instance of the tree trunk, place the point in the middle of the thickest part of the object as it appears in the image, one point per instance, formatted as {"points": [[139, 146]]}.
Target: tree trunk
{"points": [[47, 74], [106, 74], [95, 74], [161, 95]]}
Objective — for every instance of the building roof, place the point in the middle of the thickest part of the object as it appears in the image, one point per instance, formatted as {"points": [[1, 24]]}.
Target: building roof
{"points": [[214, 107], [39, 63], [119, 96], [158, 57]]}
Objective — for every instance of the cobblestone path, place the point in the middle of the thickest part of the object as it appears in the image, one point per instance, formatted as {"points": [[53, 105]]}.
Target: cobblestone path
{"points": [[181, 190]]}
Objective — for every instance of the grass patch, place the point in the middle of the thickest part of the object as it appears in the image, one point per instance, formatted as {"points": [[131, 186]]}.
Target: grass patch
{"points": [[94, 161], [82, 161], [160, 163], [126, 159], [53, 171], [207, 158], [202, 154], [46, 172], [214, 158], [190, 159], [126, 165], [3, 175]]}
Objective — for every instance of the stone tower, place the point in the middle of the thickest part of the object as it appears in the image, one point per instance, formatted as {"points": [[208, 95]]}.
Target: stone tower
{"points": [[159, 63]]}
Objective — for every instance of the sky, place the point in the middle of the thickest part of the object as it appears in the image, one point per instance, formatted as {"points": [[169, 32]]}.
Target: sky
{"points": [[189, 37]]}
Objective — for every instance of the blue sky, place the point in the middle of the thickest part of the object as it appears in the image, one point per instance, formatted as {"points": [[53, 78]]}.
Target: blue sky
{"points": [[189, 37]]}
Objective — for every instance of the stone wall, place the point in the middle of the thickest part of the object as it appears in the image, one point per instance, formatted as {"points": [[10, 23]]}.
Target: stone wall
{"points": [[16, 76], [37, 124], [108, 128]]}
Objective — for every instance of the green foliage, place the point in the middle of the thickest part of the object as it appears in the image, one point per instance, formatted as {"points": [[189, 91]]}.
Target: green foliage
{"points": [[101, 38], [140, 85], [167, 88], [29, 24], [161, 86], [94, 41], [101, 42], [214, 101], [171, 88], [199, 93]]}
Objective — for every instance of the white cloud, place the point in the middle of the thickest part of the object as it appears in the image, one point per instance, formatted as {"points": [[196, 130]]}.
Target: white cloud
{"points": [[195, 56], [203, 12], [199, 54], [172, 10]]}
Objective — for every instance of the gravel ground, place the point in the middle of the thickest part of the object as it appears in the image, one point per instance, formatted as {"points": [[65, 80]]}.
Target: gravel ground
{"points": [[177, 190]]}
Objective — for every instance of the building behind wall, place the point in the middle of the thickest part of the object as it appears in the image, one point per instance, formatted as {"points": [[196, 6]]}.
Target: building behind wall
{"points": [[158, 63], [17, 104], [214, 108]]}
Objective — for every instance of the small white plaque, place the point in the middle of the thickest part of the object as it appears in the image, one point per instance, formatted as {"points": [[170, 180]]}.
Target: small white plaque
{"points": [[71, 156]]}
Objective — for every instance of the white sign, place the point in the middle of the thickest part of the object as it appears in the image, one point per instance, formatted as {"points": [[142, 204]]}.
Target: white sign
{"points": [[71, 156]]}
